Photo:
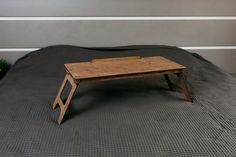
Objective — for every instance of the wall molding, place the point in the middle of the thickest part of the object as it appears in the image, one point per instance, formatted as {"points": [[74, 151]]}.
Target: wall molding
{"points": [[105, 18], [183, 47]]}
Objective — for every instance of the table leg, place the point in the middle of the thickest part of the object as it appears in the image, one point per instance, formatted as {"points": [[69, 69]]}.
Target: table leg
{"points": [[183, 86], [58, 101], [169, 82]]}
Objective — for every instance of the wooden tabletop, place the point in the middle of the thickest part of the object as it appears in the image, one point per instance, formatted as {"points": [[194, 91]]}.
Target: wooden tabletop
{"points": [[111, 67]]}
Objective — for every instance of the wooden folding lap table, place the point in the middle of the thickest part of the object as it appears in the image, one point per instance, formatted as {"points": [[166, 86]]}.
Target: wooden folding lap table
{"points": [[117, 68]]}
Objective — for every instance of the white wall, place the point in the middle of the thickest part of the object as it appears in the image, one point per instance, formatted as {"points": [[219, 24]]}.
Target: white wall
{"points": [[29, 34]]}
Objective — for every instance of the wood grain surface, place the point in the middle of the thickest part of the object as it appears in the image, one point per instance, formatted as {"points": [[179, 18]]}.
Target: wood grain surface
{"points": [[111, 67]]}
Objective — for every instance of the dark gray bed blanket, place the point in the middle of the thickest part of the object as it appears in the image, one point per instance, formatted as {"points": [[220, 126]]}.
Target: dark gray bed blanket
{"points": [[130, 117]]}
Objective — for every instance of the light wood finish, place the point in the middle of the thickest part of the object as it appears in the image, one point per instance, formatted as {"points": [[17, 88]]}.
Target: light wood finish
{"points": [[183, 86], [115, 59], [117, 68], [129, 76], [58, 100], [121, 66]]}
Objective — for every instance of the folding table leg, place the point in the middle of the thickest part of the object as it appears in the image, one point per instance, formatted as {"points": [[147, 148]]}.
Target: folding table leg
{"points": [[64, 107], [183, 86], [169, 82], [56, 101]]}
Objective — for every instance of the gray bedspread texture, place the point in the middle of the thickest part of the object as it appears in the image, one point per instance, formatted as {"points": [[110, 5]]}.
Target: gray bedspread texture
{"points": [[137, 117]]}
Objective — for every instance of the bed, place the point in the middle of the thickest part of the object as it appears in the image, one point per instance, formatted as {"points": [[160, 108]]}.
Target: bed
{"points": [[128, 117]]}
